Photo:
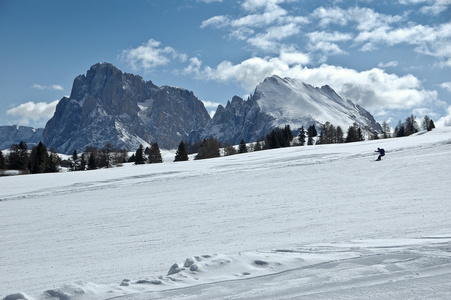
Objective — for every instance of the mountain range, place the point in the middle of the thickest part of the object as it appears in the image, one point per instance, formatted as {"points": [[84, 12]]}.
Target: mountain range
{"points": [[109, 106]]}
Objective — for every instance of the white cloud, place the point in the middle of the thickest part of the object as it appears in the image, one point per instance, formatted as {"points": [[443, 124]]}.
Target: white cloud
{"points": [[264, 24], [432, 7], [392, 63], [430, 40], [210, 104], [55, 87], [365, 18], [33, 111], [373, 89], [151, 55], [446, 120], [216, 21], [446, 86]]}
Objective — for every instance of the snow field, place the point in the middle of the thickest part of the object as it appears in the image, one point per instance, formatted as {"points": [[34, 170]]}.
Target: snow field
{"points": [[316, 222]]}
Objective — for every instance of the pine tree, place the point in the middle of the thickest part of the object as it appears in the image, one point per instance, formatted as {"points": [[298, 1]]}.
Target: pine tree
{"points": [[311, 133], [38, 158], [208, 149], [431, 125], [92, 162], [18, 157], [339, 135], [53, 162], [75, 156], [352, 135], [399, 130], [411, 125], [155, 154], [302, 136], [181, 154], [83, 162], [427, 124], [242, 147], [2, 161], [139, 156]]}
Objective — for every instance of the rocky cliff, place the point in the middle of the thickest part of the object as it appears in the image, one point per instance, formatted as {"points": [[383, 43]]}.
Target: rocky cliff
{"points": [[108, 106]]}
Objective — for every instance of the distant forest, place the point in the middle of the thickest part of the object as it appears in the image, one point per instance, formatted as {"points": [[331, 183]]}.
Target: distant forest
{"points": [[40, 160]]}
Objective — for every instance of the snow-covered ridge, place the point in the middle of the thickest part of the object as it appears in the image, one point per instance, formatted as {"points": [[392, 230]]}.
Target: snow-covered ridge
{"points": [[295, 103]]}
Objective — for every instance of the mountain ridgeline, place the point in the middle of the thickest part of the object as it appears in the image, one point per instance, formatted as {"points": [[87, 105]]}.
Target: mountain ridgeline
{"points": [[109, 106]]}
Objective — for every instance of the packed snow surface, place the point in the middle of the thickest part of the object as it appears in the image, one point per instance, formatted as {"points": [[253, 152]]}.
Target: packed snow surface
{"points": [[312, 222]]}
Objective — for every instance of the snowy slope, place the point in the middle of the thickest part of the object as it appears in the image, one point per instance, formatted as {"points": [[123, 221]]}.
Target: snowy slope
{"points": [[314, 222], [296, 103]]}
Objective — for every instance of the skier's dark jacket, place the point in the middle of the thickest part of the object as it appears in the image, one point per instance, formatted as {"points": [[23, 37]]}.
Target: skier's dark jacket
{"points": [[381, 151]]}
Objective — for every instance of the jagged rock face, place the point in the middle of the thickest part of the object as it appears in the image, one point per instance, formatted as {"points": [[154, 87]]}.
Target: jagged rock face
{"points": [[10, 135], [278, 102], [108, 106]]}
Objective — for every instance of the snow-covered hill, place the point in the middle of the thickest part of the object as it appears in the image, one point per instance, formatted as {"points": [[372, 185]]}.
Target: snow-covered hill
{"points": [[313, 222]]}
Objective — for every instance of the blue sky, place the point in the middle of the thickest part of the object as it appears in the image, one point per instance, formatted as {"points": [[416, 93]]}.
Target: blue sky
{"points": [[391, 57]]}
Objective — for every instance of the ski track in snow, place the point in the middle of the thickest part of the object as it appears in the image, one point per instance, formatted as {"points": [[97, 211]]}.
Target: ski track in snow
{"points": [[314, 222]]}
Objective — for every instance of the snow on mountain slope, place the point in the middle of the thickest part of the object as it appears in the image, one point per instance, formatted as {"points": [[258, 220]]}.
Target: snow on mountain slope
{"points": [[296, 103], [313, 222]]}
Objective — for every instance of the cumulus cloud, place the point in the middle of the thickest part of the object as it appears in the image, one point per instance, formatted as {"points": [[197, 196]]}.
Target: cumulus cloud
{"points": [[429, 40], [151, 55], [263, 25], [373, 89], [446, 120], [446, 86], [431, 7], [364, 18], [55, 87], [33, 111]]}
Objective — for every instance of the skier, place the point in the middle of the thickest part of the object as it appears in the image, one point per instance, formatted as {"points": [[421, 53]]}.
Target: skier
{"points": [[381, 153]]}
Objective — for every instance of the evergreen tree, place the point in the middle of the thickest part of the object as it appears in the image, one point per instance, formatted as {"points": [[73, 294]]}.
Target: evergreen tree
{"points": [[92, 162], [208, 149], [181, 154], [75, 156], [53, 162], [339, 135], [302, 136], [311, 133], [431, 125], [38, 158], [242, 148], [399, 130], [427, 124], [287, 136], [155, 154], [82, 162], [18, 157], [2, 161], [411, 125], [139, 156], [352, 135]]}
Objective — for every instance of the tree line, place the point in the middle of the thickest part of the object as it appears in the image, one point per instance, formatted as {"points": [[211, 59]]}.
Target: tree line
{"points": [[41, 160], [38, 160]]}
